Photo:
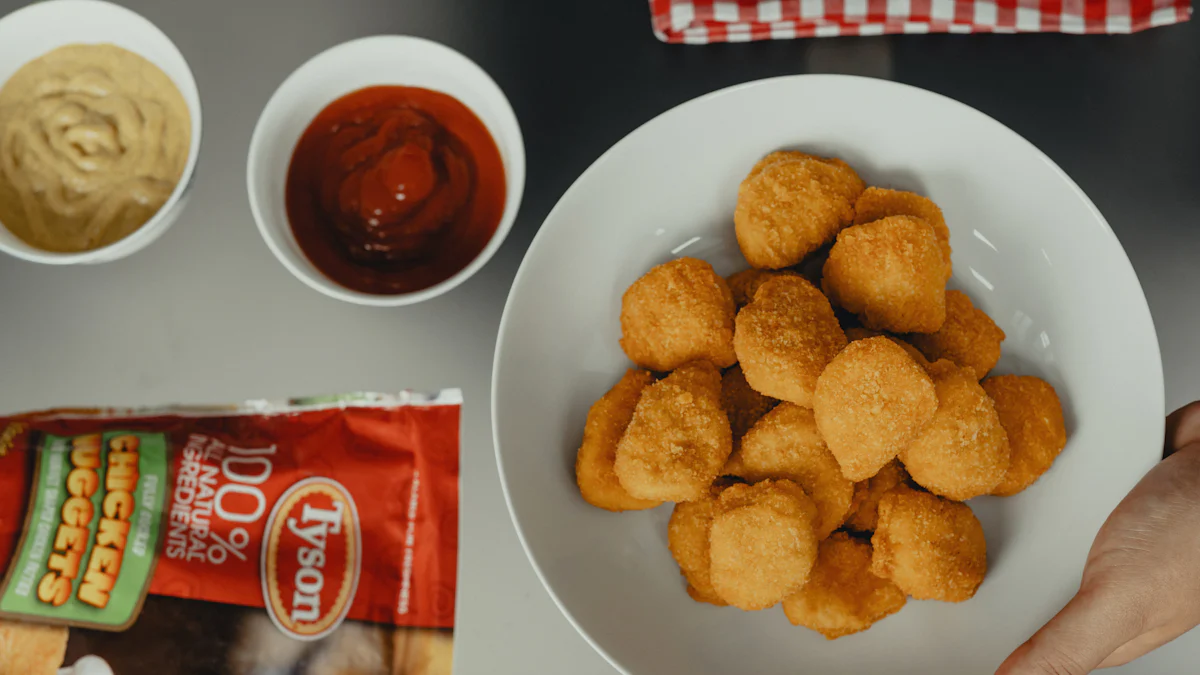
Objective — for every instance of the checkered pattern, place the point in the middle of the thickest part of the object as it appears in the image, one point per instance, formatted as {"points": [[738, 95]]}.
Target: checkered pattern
{"points": [[705, 21]]}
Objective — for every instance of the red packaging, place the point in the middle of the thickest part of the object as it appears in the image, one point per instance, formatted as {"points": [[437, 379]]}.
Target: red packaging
{"points": [[316, 510]]}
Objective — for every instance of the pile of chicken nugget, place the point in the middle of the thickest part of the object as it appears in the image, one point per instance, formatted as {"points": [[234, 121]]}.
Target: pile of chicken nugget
{"points": [[819, 419]]}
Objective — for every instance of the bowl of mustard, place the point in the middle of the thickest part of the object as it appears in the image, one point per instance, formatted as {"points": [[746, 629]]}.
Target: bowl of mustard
{"points": [[99, 132]]}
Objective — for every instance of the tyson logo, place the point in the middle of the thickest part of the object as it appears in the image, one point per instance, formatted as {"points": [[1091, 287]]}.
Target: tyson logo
{"points": [[311, 558]]}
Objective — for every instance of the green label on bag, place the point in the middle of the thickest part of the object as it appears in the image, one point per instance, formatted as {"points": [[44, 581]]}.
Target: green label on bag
{"points": [[91, 532]]}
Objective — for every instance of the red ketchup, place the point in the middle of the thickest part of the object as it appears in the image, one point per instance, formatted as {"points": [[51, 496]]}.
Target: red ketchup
{"points": [[394, 189]]}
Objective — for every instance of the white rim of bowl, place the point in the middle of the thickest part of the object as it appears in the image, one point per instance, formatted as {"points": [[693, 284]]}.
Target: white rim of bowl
{"points": [[153, 228], [312, 277], [522, 269]]}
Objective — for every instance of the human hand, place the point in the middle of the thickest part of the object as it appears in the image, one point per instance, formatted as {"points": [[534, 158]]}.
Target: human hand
{"points": [[1141, 583]]}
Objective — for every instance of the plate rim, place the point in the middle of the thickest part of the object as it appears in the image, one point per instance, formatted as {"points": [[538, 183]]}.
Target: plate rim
{"points": [[1159, 392]]}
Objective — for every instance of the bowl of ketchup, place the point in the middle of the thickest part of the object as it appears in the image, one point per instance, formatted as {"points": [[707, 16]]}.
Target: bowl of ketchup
{"points": [[386, 170]]}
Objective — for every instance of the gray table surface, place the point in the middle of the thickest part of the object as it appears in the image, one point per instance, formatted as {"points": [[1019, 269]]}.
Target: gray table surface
{"points": [[206, 314]]}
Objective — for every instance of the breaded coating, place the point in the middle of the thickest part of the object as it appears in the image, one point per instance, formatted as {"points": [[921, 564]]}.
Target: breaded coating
{"points": [[859, 333], [30, 648], [845, 182], [792, 203], [762, 543], [745, 284], [785, 338], [864, 508], [871, 402], [875, 203], [687, 537], [842, 595], [786, 444], [679, 311], [964, 452], [1032, 416], [742, 404], [932, 548], [606, 423], [969, 337], [890, 273], [678, 439]]}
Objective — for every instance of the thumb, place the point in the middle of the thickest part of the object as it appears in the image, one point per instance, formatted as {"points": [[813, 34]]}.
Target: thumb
{"points": [[1092, 625]]}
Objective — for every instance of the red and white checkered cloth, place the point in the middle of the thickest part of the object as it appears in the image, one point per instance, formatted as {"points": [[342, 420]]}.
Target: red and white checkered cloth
{"points": [[705, 21]]}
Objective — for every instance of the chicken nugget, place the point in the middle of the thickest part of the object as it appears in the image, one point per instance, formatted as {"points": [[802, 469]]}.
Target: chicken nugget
{"points": [[1032, 416], [679, 311], [31, 649], [743, 405], [762, 543], [745, 284], [890, 273], [875, 203], [687, 537], [606, 423], [969, 337], [842, 595], [864, 508], [790, 204], [858, 333], [844, 180], [872, 401], [785, 338], [678, 439], [932, 548], [785, 443], [964, 452]]}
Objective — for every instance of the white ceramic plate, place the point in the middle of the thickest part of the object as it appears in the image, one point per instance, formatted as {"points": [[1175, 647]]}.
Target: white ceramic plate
{"points": [[1029, 247]]}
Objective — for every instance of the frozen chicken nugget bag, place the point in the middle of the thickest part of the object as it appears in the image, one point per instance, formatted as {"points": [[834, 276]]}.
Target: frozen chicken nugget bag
{"points": [[313, 515]]}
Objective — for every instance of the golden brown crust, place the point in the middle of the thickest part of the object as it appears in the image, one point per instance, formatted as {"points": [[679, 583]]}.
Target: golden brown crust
{"points": [[969, 337], [890, 273], [1032, 416], [785, 338], [678, 439], [864, 508], [870, 402], [792, 203], [842, 595], [786, 444], [875, 203], [679, 311], [964, 451], [745, 284], [606, 423], [743, 405], [31, 649], [687, 538], [859, 333], [932, 548], [762, 543]]}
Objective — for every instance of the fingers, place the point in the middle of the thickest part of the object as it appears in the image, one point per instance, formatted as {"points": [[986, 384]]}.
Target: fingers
{"points": [[1078, 639], [1139, 646], [1183, 428]]}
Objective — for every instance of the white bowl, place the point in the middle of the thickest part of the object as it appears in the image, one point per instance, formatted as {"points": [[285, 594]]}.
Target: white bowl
{"points": [[1028, 246], [41, 27], [350, 66]]}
